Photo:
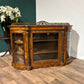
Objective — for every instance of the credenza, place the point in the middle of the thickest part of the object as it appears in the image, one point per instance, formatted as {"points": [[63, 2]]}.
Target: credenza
{"points": [[37, 45]]}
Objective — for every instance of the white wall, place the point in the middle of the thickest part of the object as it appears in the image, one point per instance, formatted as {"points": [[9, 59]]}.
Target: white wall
{"points": [[71, 11]]}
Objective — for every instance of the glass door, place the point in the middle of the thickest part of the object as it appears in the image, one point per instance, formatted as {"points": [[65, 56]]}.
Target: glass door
{"points": [[18, 48], [45, 46]]}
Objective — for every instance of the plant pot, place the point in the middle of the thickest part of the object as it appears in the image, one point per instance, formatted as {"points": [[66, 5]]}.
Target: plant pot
{"points": [[6, 29]]}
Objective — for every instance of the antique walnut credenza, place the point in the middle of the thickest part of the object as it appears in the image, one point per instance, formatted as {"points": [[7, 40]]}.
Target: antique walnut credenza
{"points": [[39, 44]]}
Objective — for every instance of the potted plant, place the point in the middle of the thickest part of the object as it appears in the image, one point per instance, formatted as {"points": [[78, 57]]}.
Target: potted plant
{"points": [[8, 15]]}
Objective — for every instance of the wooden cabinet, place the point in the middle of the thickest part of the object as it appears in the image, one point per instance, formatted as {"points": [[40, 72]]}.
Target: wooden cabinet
{"points": [[19, 49], [39, 45]]}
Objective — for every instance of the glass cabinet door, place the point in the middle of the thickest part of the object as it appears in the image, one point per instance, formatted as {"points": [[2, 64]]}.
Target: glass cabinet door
{"points": [[18, 48], [45, 46]]}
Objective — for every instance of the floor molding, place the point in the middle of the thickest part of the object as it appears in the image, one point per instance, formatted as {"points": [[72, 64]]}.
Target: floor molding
{"points": [[2, 53]]}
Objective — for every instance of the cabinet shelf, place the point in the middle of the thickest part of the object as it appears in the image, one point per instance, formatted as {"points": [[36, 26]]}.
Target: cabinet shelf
{"points": [[18, 43], [19, 53], [46, 51], [43, 40]]}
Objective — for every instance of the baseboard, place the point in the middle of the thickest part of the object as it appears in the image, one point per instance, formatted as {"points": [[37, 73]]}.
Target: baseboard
{"points": [[2, 53]]}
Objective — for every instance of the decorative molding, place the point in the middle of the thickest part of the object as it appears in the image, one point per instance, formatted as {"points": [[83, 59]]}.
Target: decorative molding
{"points": [[42, 23], [47, 23]]}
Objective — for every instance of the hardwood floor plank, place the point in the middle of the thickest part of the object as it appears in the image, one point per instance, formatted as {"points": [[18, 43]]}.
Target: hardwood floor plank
{"points": [[39, 80], [33, 78], [49, 74], [7, 59], [58, 76], [10, 71], [16, 75], [74, 77], [72, 73], [56, 81], [44, 76], [5, 80], [12, 82], [3, 63]]}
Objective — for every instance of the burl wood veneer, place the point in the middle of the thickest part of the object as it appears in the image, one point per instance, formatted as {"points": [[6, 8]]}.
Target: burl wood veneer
{"points": [[39, 44]]}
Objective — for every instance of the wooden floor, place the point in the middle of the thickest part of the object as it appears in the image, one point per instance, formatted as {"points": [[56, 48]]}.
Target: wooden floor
{"points": [[72, 73]]}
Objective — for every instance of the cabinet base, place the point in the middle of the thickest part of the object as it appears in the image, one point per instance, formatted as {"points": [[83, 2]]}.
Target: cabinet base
{"points": [[19, 66], [35, 66], [69, 60]]}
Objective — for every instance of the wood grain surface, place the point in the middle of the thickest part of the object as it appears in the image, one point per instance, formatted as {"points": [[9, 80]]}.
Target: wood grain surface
{"points": [[72, 73]]}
